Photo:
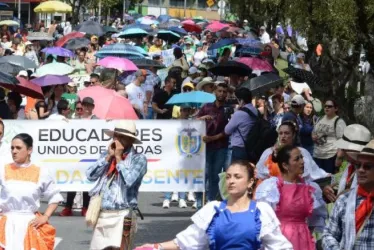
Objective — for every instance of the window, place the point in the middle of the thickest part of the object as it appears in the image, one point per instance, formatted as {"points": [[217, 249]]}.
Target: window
{"points": [[180, 3], [155, 2]]}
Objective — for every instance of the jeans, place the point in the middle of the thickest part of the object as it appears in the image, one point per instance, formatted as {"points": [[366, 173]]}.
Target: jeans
{"points": [[239, 153], [70, 199], [327, 164], [181, 195], [150, 114]]}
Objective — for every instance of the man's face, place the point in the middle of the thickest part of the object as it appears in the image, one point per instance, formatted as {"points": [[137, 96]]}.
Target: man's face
{"points": [[88, 108], [365, 172], [79, 109], [221, 93], [94, 81], [66, 112], [81, 56], [171, 83], [124, 140], [209, 88]]}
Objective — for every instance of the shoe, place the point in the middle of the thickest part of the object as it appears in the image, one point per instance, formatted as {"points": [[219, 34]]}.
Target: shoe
{"points": [[166, 204], [194, 205], [174, 197], [84, 211], [190, 196], [66, 212], [182, 203]]}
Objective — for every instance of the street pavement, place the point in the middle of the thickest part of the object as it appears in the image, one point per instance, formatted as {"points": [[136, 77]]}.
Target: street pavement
{"points": [[158, 225]]}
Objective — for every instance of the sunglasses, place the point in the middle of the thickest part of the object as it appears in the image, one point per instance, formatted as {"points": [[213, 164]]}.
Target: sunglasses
{"points": [[187, 89], [329, 106], [365, 166], [78, 109]]}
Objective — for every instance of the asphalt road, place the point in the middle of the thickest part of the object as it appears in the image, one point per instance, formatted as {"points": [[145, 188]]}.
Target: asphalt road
{"points": [[158, 225]]}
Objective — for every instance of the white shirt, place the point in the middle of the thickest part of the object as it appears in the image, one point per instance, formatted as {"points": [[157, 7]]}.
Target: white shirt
{"points": [[198, 57], [57, 117], [136, 95], [265, 38]]}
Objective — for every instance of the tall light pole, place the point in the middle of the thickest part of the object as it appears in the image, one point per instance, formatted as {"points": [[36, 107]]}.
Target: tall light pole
{"points": [[185, 6], [19, 11], [99, 12]]}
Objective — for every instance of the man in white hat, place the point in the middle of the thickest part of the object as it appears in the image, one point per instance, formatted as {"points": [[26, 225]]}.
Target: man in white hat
{"points": [[119, 173], [355, 137], [206, 85], [264, 36], [351, 223]]}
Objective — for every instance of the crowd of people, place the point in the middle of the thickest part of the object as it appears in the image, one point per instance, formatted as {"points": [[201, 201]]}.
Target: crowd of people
{"points": [[274, 159]]}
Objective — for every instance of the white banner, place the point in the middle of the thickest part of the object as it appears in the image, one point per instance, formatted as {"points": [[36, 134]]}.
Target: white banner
{"points": [[174, 150], [79, 80]]}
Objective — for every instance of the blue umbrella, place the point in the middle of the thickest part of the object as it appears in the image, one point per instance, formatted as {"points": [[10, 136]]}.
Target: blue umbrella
{"points": [[178, 30], [121, 50], [133, 33], [147, 21], [223, 42], [92, 28], [151, 78], [138, 25], [194, 98], [163, 18], [4, 5], [248, 42]]}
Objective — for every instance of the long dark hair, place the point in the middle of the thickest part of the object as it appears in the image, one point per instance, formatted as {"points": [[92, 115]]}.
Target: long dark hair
{"points": [[283, 156]]}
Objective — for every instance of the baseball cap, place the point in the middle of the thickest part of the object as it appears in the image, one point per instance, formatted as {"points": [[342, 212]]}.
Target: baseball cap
{"points": [[189, 85], [300, 55], [23, 73], [193, 70], [141, 72], [88, 100], [297, 100]]}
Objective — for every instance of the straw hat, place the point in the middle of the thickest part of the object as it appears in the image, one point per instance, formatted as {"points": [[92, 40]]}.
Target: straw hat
{"points": [[368, 150], [126, 128], [205, 81], [355, 137]]}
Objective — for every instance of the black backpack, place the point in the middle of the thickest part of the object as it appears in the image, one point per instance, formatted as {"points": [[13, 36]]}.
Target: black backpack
{"points": [[261, 136]]}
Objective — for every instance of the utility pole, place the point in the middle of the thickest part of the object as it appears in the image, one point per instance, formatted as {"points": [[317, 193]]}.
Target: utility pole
{"points": [[99, 12], [185, 6], [124, 9], [19, 11]]}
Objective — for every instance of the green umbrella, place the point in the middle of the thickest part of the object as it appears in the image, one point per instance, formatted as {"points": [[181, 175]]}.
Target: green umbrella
{"points": [[54, 68], [110, 29]]}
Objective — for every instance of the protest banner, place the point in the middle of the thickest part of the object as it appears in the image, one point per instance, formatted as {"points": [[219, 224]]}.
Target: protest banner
{"points": [[174, 150]]}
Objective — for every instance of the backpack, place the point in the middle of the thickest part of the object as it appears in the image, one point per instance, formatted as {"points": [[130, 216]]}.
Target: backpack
{"points": [[261, 136]]}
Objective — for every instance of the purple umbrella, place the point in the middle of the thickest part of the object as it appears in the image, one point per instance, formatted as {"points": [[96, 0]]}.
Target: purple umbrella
{"points": [[49, 80], [58, 51]]}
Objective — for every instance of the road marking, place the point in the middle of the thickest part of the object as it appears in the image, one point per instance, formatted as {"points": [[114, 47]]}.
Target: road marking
{"points": [[57, 241]]}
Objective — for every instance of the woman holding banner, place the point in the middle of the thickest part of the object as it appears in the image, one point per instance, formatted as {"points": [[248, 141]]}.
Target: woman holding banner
{"points": [[22, 185], [236, 223]]}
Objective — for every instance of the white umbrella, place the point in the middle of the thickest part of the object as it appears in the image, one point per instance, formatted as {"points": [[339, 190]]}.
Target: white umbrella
{"points": [[54, 68]]}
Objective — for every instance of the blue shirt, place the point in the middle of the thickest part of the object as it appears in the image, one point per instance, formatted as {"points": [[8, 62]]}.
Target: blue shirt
{"points": [[122, 192], [240, 121]]}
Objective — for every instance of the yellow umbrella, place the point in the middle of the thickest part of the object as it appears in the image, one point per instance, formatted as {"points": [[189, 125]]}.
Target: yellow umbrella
{"points": [[9, 23], [53, 7]]}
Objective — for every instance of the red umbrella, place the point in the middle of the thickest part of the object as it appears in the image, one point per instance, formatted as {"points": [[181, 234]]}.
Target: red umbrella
{"points": [[26, 88], [216, 26], [256, 63], [192, 27], [60, 42]]}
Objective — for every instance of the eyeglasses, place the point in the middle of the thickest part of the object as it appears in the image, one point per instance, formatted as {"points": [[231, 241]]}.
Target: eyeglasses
{"points": [[187, 89], [329, 106], [365, 166], [78, 109]]}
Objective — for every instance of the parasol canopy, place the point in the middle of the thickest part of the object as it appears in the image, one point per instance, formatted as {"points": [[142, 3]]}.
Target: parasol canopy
{"points": [[53, 7]]}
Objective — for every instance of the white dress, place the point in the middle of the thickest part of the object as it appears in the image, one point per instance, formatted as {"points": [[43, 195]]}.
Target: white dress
{"points": [[20, 199], [311, 169], [195, 237]]}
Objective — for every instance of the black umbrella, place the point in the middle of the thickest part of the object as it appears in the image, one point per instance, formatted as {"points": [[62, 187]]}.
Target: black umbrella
{"points": [[260, 84], [92, 28], [110, 29], [21, 61], [168, 36], [77, 43], [147, 63], [8, 79], [231, 68], [300, 75], [10, 69]]}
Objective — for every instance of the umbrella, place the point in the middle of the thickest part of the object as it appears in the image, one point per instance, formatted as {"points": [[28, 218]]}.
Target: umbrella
{"points": [[95, 92], [147, 63], [133, 33], [222, 43], [194, 98], [147, 21], [39, 36], [9, 68], [9, 23], [49, 80], [249, 42], [26, 88], [53, 7], [118, 63], [140, 26], [54, 68], [256, 63], [231, 68], [7, 79], [77, 43], [151, 79], [168, 36], [4, 5], [216, 26], [60, 42], [121, 50], [178, 30], [188, 21], [21, 61], [164, 18], [192, 27], [58, 51], [109, 29], [301, 75], [92, 28], [260, 84]]}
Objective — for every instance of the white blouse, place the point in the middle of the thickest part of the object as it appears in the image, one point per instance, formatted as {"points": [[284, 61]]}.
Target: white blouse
{"points": [[21, 190], [311, 170], [195, 237], [268, 192]]}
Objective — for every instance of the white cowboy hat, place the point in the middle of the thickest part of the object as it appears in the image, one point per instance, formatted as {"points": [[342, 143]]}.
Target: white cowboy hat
{"points": [[355, 137], [203, 82], [368, 150], [126, 128]]}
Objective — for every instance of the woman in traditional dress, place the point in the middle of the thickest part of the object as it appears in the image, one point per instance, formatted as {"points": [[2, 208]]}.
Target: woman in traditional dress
{"points": [[297, 202], [236, 223], [266, 167], [22, 183]]}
